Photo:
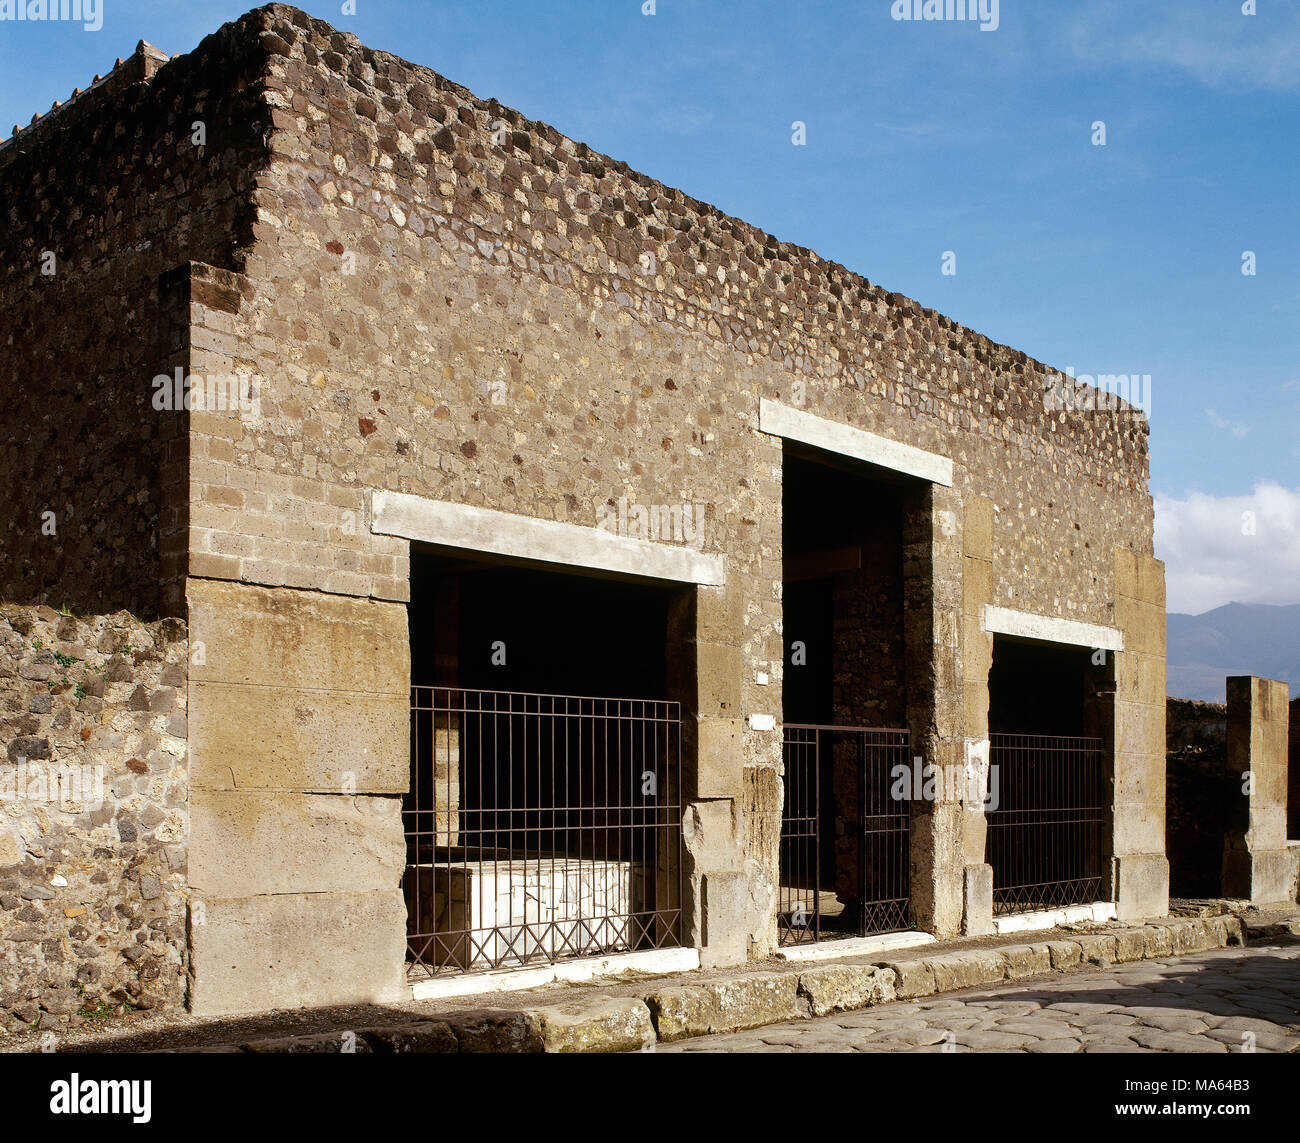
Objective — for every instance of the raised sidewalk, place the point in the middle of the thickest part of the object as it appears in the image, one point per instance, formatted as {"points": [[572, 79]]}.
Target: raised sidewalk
{"points": [[634, 1014]]}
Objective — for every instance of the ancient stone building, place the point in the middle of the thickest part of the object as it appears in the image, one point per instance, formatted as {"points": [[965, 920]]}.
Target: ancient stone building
{"points": [[1226, 795], [454, 549]]}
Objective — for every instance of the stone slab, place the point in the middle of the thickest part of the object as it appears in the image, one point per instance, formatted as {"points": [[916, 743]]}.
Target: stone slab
{"points": [[726, 1006], [595, 1024], [250, 737], [304, 640], [912, 978], [297, 950], [470, 528], [845, 988], [257, 843], [1026, 960]]}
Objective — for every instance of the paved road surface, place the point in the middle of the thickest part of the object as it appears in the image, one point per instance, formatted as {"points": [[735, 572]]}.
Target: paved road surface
{"points": [[1230, 1000]]}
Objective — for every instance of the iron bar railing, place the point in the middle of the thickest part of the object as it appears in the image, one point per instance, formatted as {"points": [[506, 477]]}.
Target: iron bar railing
{"points": [[1044, 836], [540, 827], [845, 837]]}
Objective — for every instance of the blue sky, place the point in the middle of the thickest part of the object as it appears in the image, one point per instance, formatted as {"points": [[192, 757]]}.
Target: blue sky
{"points": [[925, 137]]}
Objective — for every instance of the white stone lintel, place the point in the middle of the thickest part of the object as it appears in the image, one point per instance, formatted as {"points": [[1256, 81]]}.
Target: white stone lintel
{"points": [[831, 436], [496, 533], [1027, 625]]}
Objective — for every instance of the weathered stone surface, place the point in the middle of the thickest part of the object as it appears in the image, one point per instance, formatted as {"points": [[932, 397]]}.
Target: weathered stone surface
{"points": [[273, 660], [1158, 941], [285, 739], [325, 1043], [246, 844], [968, 969], [535, 249], [1097, 948], [734, 905], [297, 640], [595, 1024], [1064, 954], [1026, 960], [426, 1037], [84, 834], [844, 988], [1130, 945], [749, 1002], [912, 978], [288, 950], [498, 1032]]}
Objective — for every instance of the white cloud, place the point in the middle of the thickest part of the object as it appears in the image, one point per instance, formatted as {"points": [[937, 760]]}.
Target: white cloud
{"points": [[1225, 549], [1237, 429], [1213, 43]]}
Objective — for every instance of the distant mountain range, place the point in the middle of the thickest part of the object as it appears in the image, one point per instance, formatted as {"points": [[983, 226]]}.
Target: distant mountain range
{"points": [[1236, 639]]}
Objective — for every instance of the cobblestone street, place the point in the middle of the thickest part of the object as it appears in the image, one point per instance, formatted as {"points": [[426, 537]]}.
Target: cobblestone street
{"points": [[1230, 1000]]}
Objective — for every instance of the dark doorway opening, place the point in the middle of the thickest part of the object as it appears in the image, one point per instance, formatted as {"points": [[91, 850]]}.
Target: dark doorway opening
{"points": [[1047, 812], [544, 816], [844, 853]]}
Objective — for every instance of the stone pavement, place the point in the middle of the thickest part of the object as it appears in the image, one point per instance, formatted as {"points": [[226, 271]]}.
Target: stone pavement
{"points": [[1230, 1000], [640, 1012]]}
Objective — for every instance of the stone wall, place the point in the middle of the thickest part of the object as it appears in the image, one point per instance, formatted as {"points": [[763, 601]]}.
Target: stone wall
{"points": [[463, 312], [1256, 862], [1227, 792], [102, 199], [440, 297], [299, 744], [93, 815]]}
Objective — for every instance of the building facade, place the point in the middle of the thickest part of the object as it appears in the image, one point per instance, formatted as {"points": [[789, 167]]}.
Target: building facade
{"points": [[455, 549]]}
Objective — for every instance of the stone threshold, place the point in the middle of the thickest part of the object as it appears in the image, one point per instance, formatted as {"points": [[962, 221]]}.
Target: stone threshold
{"points": [[636, 1016], [1099, 912], [854, 946]]}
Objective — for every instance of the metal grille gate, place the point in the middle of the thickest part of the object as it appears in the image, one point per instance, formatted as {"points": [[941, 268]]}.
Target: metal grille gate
{"points": [[540, 827], [845, 861], [1044, 837]]}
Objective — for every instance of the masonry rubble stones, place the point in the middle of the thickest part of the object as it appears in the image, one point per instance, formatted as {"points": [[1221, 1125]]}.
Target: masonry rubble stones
{"points": [[360, 234], [92, 900]]}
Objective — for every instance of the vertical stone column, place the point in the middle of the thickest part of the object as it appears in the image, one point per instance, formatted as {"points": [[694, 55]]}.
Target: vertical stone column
{"points": [[704, 668], [976, 662], [299, 733], [1133, 731], [932, 612], [1256, 865]]}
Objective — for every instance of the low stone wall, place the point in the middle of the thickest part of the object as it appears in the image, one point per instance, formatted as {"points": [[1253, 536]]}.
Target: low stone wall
{"points": [[93, 819]]}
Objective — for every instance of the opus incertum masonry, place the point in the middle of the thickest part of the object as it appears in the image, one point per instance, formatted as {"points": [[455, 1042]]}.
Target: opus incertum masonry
{"points": [[543, 606]]}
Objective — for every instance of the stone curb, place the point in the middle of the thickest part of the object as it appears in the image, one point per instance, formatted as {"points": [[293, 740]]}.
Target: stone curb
{"points": [[679, 1011]]}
